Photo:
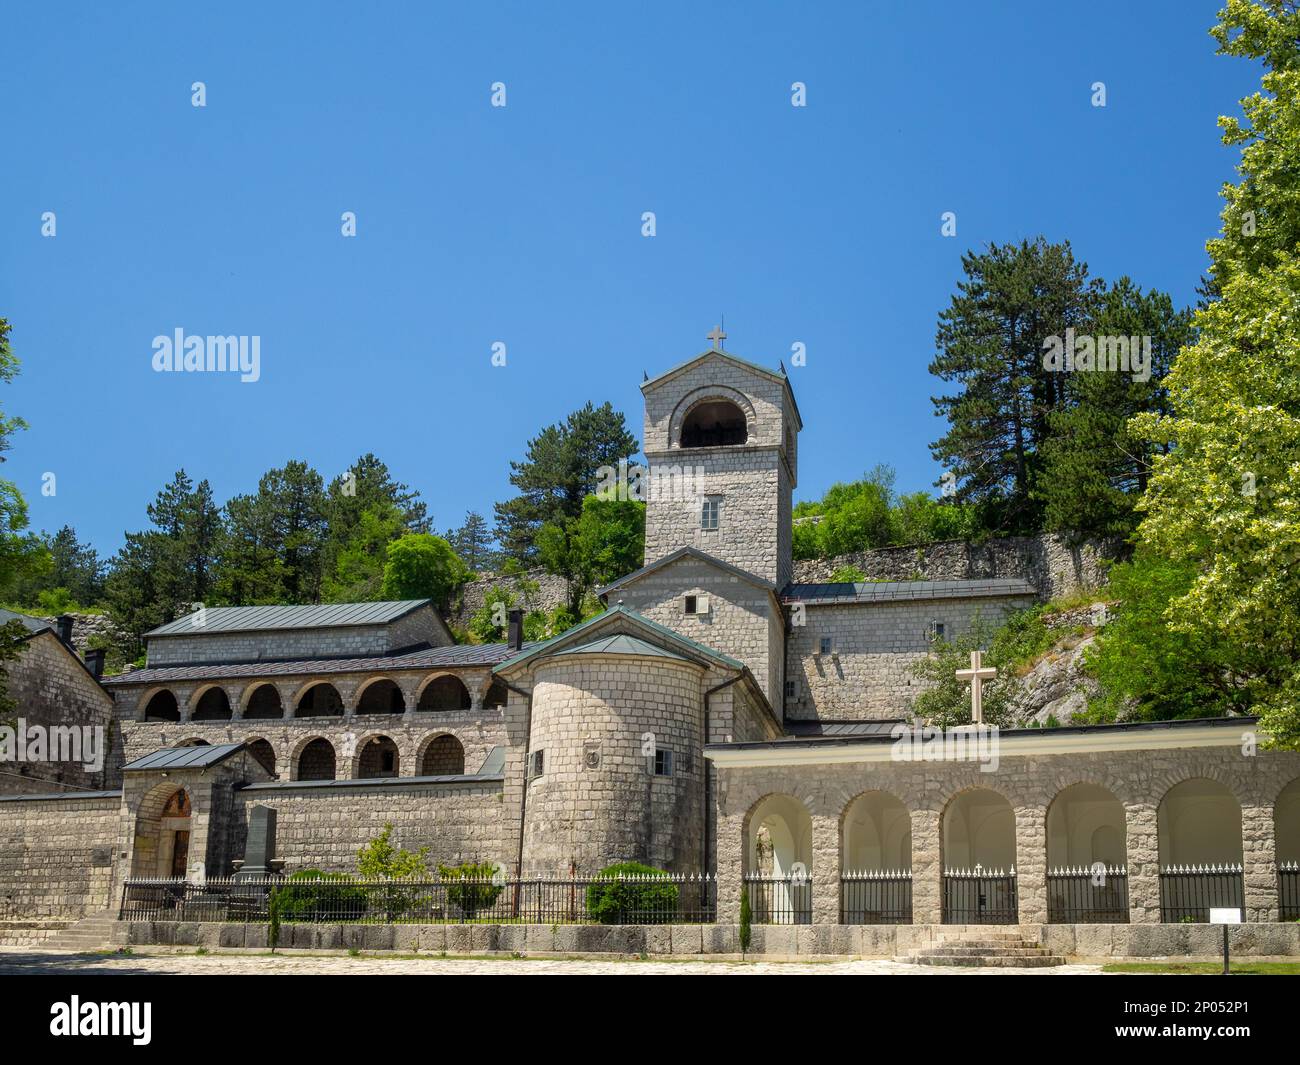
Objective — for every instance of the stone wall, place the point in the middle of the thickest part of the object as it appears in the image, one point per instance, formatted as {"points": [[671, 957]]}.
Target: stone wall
{"points": [[52, 688], [1050, 562], [868, 673], [551, 592], [324, 827], [57, 854]]}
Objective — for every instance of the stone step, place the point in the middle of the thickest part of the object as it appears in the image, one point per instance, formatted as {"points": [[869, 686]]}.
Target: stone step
{"points": [[1026, 951], [92, 932], [1038, 961]]}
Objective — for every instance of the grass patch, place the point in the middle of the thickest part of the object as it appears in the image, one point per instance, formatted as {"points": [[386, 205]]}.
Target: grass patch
{"points": [[1206, 968]]}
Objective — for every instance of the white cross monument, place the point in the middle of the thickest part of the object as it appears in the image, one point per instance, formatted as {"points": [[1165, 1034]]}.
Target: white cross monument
{"points": [[977, 675]]}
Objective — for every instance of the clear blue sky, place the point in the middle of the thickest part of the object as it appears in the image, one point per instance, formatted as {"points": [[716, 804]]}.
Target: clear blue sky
{"points": [[479, 224]]}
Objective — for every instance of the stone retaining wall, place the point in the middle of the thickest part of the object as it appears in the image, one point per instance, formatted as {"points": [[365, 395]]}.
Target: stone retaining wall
{"points": [[57, 855]]}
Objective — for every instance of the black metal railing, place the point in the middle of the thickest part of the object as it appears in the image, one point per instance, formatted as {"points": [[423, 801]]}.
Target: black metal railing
{"points": [[880, 896], [667, 899], [1096, 894], [1189, 892], [779, 899], [1288, 891], [979, 896]]}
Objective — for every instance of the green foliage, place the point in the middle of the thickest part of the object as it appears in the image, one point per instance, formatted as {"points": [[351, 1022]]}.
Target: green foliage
{"points": [[847, 575], [313, 895], [381, 859], [559, 469], [1021, 639], [470, 888], [13, 638], [945, 702], [606, 541], [642, 900], [473, 543], [746, 920], [421, 565]]}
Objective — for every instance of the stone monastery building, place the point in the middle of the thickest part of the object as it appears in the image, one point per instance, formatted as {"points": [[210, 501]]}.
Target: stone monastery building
{"points": [[717, 717]]}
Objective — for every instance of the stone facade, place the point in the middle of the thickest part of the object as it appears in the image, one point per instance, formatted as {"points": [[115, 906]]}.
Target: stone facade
{"points": [[58, 854], [867, 673], [54, 689]]}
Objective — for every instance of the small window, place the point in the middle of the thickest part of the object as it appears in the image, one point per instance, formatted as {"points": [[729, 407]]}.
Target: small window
{"points": [[709, 512], [936, 630], [825, 645], [663, 763], [691, 604], [536, 763], [791, 689]]}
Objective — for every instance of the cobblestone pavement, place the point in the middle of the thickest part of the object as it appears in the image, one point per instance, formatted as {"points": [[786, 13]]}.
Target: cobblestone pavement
{"points": [[31, 962]]}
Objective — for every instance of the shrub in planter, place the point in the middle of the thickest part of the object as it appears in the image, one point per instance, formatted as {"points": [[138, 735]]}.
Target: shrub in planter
{"points": [[632, 893]]}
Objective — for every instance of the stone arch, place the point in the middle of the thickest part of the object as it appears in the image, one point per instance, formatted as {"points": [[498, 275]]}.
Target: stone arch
{"points": [[377, 758], [163, 824], [778, 856], [261, 702], [1286, 822], [380, 695], [194, 741], [978, 827], [443, 692], [497, 695], [875, 833], [1199, 822], [263, 752], [699, 410], [1086, 824], [314, 759], [442, 755], [210, 704], [160, 704], [318, 699]]}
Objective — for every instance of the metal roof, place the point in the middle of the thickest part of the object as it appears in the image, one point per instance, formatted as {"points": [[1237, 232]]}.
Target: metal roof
{"points": [[33, 625], [841, 728], [687, 552], [621, 644], [43, 796], [200, 757], [262, 618], [485, 654], [902, 591]]}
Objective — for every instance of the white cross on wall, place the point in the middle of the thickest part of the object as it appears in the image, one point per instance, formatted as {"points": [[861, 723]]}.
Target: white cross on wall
{"points": [[977, 675]]}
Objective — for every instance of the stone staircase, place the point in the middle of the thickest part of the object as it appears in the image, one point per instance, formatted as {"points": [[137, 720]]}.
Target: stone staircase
{"points": [[991, 949], [89, 934]]}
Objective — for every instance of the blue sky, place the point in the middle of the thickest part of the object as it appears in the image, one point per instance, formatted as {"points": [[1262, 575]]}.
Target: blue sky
{"points": [[522, 224]]}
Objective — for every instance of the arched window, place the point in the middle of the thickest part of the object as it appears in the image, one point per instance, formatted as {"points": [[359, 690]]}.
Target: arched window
{"points": [[316, 761], [444, 693], [213, 705], [714, 423], [444, 757], [264, 754], [497, 695], [381, 697], [320, 700], [264, 703], [162, 707], [378, 758]]}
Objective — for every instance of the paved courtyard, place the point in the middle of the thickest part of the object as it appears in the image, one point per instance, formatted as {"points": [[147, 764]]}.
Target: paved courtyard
{"points": [[23, 962]]}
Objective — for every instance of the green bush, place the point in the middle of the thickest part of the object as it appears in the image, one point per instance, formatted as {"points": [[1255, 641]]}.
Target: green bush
{"points": [[313, 895], [611, 900], [469, 886]]}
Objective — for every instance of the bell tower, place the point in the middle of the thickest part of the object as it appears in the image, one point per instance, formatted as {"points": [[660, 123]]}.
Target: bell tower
{"points": [[721, 440]]}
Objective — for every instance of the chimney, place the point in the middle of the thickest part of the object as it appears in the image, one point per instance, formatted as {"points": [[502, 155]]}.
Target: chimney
{"points": [[95, 661], [63, 627], [516, 633]]}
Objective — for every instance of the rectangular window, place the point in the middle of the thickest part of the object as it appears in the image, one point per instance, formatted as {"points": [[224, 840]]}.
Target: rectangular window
{"points": [[663, 763], [936, 630], [791, 689], [536, 763], [709, 512], [691, 604], [825, 645]]}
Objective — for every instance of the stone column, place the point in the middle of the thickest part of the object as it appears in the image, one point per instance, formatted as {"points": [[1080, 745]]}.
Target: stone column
{"points": [[927, 868], [185, 704], [731, 851], [1143, 863], [1259, 863], [235, 696], [1031, 863], [286, 700], [825, 869]]}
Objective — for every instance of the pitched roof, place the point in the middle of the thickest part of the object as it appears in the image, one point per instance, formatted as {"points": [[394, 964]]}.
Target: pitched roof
{"points": [[200, 757], [685, 552], [262, 618], [621, 644], [901, 591], [484, 654], [33, 625], [669, 635], [774, 375]]}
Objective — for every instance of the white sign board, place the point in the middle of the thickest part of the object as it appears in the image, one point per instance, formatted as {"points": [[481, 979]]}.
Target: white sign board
{"points": [[1225, 916]]}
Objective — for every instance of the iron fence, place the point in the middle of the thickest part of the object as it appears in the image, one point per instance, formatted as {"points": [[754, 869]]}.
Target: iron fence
{"points": [[1097, 894], [879, 896], [979, 896], [667, 899], [779, 899], [1288, 891], [1189, 892]]}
